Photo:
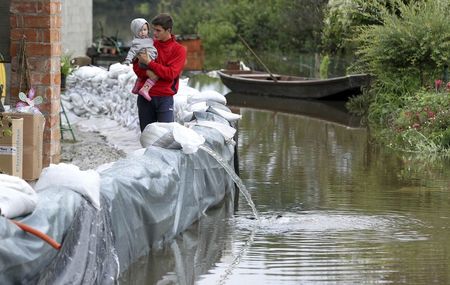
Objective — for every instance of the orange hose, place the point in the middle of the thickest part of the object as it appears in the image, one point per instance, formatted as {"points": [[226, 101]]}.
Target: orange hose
{"points": [[39, 234]]}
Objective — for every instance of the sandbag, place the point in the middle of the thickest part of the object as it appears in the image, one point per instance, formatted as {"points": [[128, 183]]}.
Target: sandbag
{"points": [[17, 197], [171, 136], [86, 183], [207, 96]]}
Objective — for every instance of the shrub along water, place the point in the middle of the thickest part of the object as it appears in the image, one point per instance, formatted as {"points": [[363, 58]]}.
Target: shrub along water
{"points": [[407, 52]]}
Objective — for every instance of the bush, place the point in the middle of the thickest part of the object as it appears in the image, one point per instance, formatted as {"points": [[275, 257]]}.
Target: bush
{"points": [[423, 123], [405, 53], [324, 67], [413, 39]]}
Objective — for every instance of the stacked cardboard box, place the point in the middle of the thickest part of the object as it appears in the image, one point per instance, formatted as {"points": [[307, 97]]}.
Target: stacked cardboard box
{"points": [[33, 132], [11, 145]]}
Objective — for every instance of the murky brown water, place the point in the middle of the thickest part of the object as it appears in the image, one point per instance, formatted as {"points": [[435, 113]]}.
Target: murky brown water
{"points": [[333, 209]]}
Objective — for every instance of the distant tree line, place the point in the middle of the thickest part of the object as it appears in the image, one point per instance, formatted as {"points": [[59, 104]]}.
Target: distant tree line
{"points": [[271, 26], [268, 26]]}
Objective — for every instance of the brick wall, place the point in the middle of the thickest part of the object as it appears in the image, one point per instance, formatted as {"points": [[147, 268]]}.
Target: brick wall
{"points": [[40, 22], [195, 54]]}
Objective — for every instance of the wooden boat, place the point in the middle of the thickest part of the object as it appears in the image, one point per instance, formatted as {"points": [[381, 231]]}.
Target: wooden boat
{"points": [[256, 82]]}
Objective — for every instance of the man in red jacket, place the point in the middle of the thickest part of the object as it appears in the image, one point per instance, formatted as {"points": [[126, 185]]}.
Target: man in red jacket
{"points": [[167, 67]]}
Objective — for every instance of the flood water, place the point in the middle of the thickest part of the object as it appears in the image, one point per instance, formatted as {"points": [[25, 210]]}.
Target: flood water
{"points": [[333, 209]]}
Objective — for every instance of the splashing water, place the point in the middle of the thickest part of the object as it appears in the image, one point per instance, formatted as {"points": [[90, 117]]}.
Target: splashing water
{"points": [[235, 178], [237, 259]]}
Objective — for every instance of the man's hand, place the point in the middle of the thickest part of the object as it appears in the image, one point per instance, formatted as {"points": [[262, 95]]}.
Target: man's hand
{"points": [[143, 58]]}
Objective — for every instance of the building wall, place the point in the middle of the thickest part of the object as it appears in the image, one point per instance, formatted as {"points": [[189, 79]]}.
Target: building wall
{"points": [[76, 30], [35, 26], [195, 55], [51, 28]]}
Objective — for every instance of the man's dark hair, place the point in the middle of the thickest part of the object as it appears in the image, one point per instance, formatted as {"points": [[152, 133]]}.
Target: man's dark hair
{"points": [[164, 20]]}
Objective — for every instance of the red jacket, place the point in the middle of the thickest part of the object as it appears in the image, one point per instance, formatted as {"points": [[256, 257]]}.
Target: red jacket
{"points": [[167, 66]]}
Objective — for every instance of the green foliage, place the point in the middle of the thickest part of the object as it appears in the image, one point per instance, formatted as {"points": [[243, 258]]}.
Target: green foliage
{"points": [[341, 21], [142, 8], [406, 52], [269, 26], [427, 113], [191, 14], [337, 25], [298, 24], [66, 65], [277, 26], [414, 41], [218, 42], [445, 139], [359, 105], [324, 67], [421, 124]]}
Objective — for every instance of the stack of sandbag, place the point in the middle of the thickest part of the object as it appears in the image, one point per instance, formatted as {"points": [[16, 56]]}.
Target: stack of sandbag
{"points": [[96, 92], [208, 109], [205, 110], [93, 91], [171, 136]]}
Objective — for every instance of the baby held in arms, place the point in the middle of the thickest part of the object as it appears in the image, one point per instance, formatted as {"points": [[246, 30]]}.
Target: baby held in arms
{"points": [[141, 43]]}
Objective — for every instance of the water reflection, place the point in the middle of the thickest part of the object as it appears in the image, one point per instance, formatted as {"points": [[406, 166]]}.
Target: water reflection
{"points": [[189, 256], [209, 81], [331, 111], [298, 153]]}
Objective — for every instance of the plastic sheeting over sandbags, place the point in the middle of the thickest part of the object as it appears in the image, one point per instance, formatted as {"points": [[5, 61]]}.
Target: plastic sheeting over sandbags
{"points": [[87, 255], [194, 254], [157, 195], [146, 199]]}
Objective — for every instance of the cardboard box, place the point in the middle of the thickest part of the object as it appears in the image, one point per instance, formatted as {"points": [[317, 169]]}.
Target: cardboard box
{"points": [[11, 143], [33, 136]]}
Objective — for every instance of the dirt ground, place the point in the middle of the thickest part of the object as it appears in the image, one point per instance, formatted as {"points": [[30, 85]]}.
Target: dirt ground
{"points": [[89, 150]]}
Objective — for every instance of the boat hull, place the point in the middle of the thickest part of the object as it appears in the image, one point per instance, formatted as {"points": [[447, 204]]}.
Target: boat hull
{"points": [[252, 82]]}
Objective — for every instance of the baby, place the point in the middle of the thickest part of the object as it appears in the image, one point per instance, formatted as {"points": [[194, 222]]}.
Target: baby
{"points": [[141, 43]]}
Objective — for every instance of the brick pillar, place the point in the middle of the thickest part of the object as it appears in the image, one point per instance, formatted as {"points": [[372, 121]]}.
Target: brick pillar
{"points": [[40, 22]]}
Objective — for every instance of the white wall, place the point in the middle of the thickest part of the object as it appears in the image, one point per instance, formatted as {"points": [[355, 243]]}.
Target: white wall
{"points": [[76, 30]]}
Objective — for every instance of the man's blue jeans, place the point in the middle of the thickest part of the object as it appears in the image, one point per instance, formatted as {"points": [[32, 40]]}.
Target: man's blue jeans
{"points": [[159, 109]]}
